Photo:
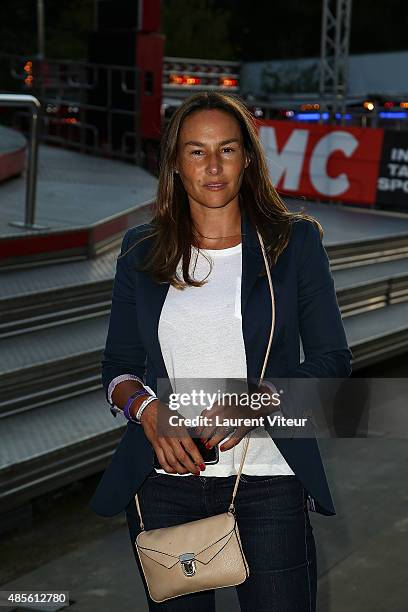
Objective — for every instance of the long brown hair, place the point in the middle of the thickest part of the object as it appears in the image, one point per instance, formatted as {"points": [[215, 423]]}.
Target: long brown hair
{"points": [[173, 233]]}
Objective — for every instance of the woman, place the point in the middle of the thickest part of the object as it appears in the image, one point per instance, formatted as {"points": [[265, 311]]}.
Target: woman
{"points": [[191, 301]]}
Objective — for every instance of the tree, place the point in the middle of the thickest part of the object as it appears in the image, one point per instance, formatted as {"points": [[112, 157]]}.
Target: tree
{"points": [[196, 28]]}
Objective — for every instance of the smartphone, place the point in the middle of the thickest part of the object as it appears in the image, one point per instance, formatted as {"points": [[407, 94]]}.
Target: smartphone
{"points": [[209, 455]]}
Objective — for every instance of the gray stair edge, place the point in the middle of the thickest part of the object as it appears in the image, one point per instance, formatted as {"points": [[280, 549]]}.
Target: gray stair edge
{"points": [[56, 416]]}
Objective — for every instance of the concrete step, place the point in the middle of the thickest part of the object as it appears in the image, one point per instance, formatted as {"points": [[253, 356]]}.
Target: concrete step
{"points": [[50, 296], [62, 361], [55, 444]]}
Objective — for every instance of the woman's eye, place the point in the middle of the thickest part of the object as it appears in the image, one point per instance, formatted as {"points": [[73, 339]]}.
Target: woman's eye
{"points": [[198, 151]]}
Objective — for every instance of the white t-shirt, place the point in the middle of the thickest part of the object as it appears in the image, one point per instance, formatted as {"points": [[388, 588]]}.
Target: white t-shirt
{"points": [[200, 335]]}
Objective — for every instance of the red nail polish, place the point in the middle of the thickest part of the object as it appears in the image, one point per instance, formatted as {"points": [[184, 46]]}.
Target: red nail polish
{"points": [[207, 445], [202, 466]]}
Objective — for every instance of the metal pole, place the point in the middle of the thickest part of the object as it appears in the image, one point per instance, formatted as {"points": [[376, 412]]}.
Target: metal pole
{"points": [[335, 40], [348, 12], [40, 29], [323, 59], [31, 184], [32, 169]]}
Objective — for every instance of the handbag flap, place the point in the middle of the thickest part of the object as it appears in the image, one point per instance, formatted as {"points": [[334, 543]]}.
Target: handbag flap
{"points": [[203, 537]]}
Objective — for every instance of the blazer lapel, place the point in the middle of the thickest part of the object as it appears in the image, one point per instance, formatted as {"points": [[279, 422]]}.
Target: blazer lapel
{"points": [[252, 258], [256, 305], [151, 297]]}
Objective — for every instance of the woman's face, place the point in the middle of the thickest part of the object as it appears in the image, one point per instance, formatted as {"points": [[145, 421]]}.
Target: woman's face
{"points": [[210, 158]]}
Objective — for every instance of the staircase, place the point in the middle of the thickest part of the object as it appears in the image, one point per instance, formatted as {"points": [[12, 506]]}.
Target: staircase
{"points": [[55, 425]]}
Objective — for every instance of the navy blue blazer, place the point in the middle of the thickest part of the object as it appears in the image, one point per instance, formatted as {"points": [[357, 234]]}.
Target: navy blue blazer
{"points": [[305, 304]]}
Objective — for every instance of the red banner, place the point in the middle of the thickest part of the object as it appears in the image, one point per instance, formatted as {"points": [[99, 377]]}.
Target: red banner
{"points": [[323, 162]]}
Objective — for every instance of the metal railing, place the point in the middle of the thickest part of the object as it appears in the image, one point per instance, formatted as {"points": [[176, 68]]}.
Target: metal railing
{"points": [[13, 100], [91, 108]]}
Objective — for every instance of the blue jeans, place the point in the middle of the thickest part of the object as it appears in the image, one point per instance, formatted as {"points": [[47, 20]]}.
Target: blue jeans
{"points": [[274, 526]]}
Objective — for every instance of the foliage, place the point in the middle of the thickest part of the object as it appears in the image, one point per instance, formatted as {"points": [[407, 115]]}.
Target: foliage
{"points": [[67, 26], [213, 29], [196, 28]]}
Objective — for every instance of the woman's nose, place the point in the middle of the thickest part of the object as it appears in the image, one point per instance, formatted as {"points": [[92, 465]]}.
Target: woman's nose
{"points": [[214, 165]]}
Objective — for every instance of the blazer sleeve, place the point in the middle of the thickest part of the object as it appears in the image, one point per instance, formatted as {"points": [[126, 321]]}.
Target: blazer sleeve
{"points": [[124, 352], [324, 341]]}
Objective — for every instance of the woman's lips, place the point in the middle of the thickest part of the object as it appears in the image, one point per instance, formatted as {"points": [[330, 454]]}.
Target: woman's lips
{"points": [[215, 186]]}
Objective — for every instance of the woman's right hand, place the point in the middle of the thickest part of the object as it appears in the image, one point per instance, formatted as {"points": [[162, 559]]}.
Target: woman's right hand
{"points": [[177, 453]]}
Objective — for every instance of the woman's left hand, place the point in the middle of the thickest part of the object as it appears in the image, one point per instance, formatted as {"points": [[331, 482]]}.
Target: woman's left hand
{"points": [[213, 434]]}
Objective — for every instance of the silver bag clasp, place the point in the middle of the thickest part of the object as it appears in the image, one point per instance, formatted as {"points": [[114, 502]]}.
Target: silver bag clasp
{"points": [[188, 563]]}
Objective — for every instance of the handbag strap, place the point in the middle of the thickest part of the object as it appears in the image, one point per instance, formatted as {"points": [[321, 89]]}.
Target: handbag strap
{"points": [[247, 437], [268, 272]]}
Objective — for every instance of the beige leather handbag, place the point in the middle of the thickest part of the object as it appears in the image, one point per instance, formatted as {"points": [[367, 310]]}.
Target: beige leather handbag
{"points": [[202, 554]]}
